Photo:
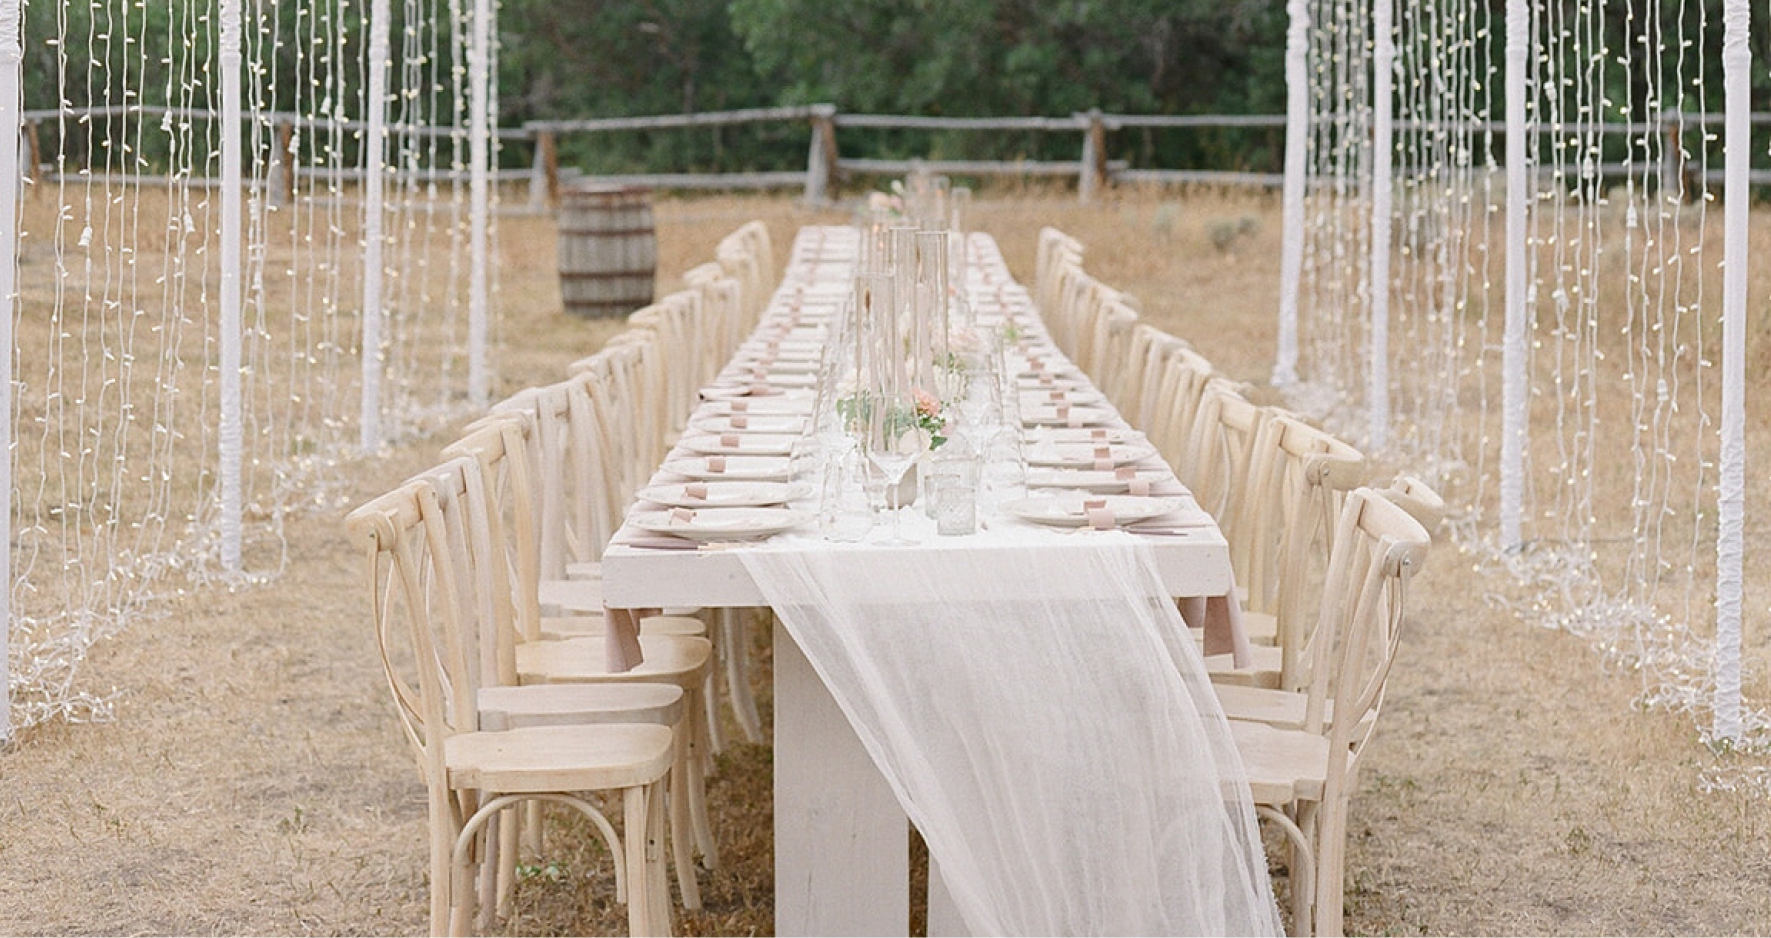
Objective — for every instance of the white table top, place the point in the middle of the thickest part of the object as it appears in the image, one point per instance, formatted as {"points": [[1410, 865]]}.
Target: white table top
{"points": [[1193, 560]]}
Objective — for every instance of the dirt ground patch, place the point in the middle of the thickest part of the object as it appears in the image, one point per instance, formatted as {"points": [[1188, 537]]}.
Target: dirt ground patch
{"points": [[254, 781]]}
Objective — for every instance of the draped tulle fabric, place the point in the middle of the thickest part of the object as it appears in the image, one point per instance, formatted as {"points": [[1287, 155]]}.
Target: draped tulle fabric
{"points": [[1046, 723]]}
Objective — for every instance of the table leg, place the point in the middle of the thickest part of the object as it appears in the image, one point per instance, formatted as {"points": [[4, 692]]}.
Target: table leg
{"points": [[842, 843], [944, 920]]}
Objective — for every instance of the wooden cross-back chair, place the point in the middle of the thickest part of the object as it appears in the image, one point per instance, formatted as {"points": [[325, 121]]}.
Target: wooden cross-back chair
{"points": [[647, 362], [1113, 341], [1296, 478], [1302, 780], [433, 624], [1289, 709], [1127, 396], [488, 482], [546, 606], [1056, 250], [576, 482], [1214, 465], [1177, 385], [1300, 476]]}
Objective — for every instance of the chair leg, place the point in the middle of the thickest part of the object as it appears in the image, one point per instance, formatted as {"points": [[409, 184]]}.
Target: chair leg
{"points": [[716, 734], [646, 915], [703, 827], [735, 634], [660, 887], [681, 831], [443, 825], [1308, 871], [1331, 864], [464, 863], [1301, 860]]}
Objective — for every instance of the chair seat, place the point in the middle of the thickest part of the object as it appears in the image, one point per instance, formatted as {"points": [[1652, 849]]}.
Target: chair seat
{"points": [[675, 659], [1277, 708], [559, 758], [511, 707], [1260, 627], [1262, 672], [585, 570], [559, 628], [1283, 766], [570, 597]]}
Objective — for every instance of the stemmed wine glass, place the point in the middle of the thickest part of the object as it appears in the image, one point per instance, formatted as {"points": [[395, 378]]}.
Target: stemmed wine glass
{"points": [[886, 402]]}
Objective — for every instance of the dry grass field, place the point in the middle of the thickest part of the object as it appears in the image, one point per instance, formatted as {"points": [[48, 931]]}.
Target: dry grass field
{"points": [[253, 779]]}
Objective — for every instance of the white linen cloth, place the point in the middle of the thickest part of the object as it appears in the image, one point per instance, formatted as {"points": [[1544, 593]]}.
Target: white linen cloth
{"points": [[1043, 718]]}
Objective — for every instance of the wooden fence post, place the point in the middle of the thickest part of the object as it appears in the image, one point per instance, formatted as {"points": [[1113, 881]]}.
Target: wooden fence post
{"points": [[1093, 174], [280, 178], [821, 168], [33, 163], [544, 183], [1672, 159]]}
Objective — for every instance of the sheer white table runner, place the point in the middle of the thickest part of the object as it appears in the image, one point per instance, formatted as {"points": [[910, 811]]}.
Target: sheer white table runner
{"points": [[1045, 721]]}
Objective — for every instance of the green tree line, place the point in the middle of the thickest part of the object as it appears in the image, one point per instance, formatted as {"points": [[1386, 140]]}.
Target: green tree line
{"points": [[561, 59]]}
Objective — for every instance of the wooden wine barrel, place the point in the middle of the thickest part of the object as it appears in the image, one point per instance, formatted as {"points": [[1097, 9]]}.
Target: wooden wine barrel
{"points": [[608, 250]]}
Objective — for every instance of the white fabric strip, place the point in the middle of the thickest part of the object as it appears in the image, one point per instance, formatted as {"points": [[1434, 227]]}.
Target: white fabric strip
{"points": [[374, 165], [479, 381], [232, 224], [1297, 154], [1043, 718], [1377, 366], [11, 105], [1731, 500], [1513, 376]]}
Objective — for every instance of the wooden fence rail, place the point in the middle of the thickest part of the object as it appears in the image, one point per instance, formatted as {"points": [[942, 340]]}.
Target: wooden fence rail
{"points": [[825, 166]]}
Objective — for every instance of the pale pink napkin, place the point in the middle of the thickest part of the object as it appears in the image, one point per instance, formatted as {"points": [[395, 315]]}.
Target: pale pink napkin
{"points": [[1221, 619], [621, 638]]}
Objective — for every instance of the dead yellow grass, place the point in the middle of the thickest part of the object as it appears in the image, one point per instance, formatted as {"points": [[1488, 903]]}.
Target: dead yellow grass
{"points": [[254, 781]]}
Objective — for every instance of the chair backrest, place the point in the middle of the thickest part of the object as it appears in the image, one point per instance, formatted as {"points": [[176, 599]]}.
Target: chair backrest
{"points": [[578, 479], [438, 603], [1418, 499], [1298, 478], [1127, 397], [1214, 465], [1177, 388], [1113, 338], [1056, 250], [500, 446], [1378, 548]]}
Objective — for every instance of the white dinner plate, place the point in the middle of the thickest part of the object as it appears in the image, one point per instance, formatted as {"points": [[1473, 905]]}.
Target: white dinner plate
{"points": [[722, 494], [739, 443], [740, 468], [753, 423], [1043, 397], [1093, 480], [1079, 415], [781, 365], [1085, 455], [748, 390], [743, 380], [1032, 383], [1095, 435], [776, 405], [721, 524], [1070, 511]]}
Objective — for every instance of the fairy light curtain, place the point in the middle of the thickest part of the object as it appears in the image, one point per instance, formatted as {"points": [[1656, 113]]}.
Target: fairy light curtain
{"points": [[1582, 444], [126, 376]]}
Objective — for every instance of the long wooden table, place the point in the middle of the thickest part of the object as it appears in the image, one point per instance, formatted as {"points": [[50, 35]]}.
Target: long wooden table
{"points": [[841, 856]]}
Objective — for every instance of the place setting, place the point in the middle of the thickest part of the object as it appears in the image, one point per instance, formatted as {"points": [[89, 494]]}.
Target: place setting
{"points": [[720, 524], [745, 468]]}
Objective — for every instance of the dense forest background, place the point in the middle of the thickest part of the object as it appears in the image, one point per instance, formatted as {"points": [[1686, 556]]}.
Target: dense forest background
{"points": [[564, 59], [919, 57]]}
